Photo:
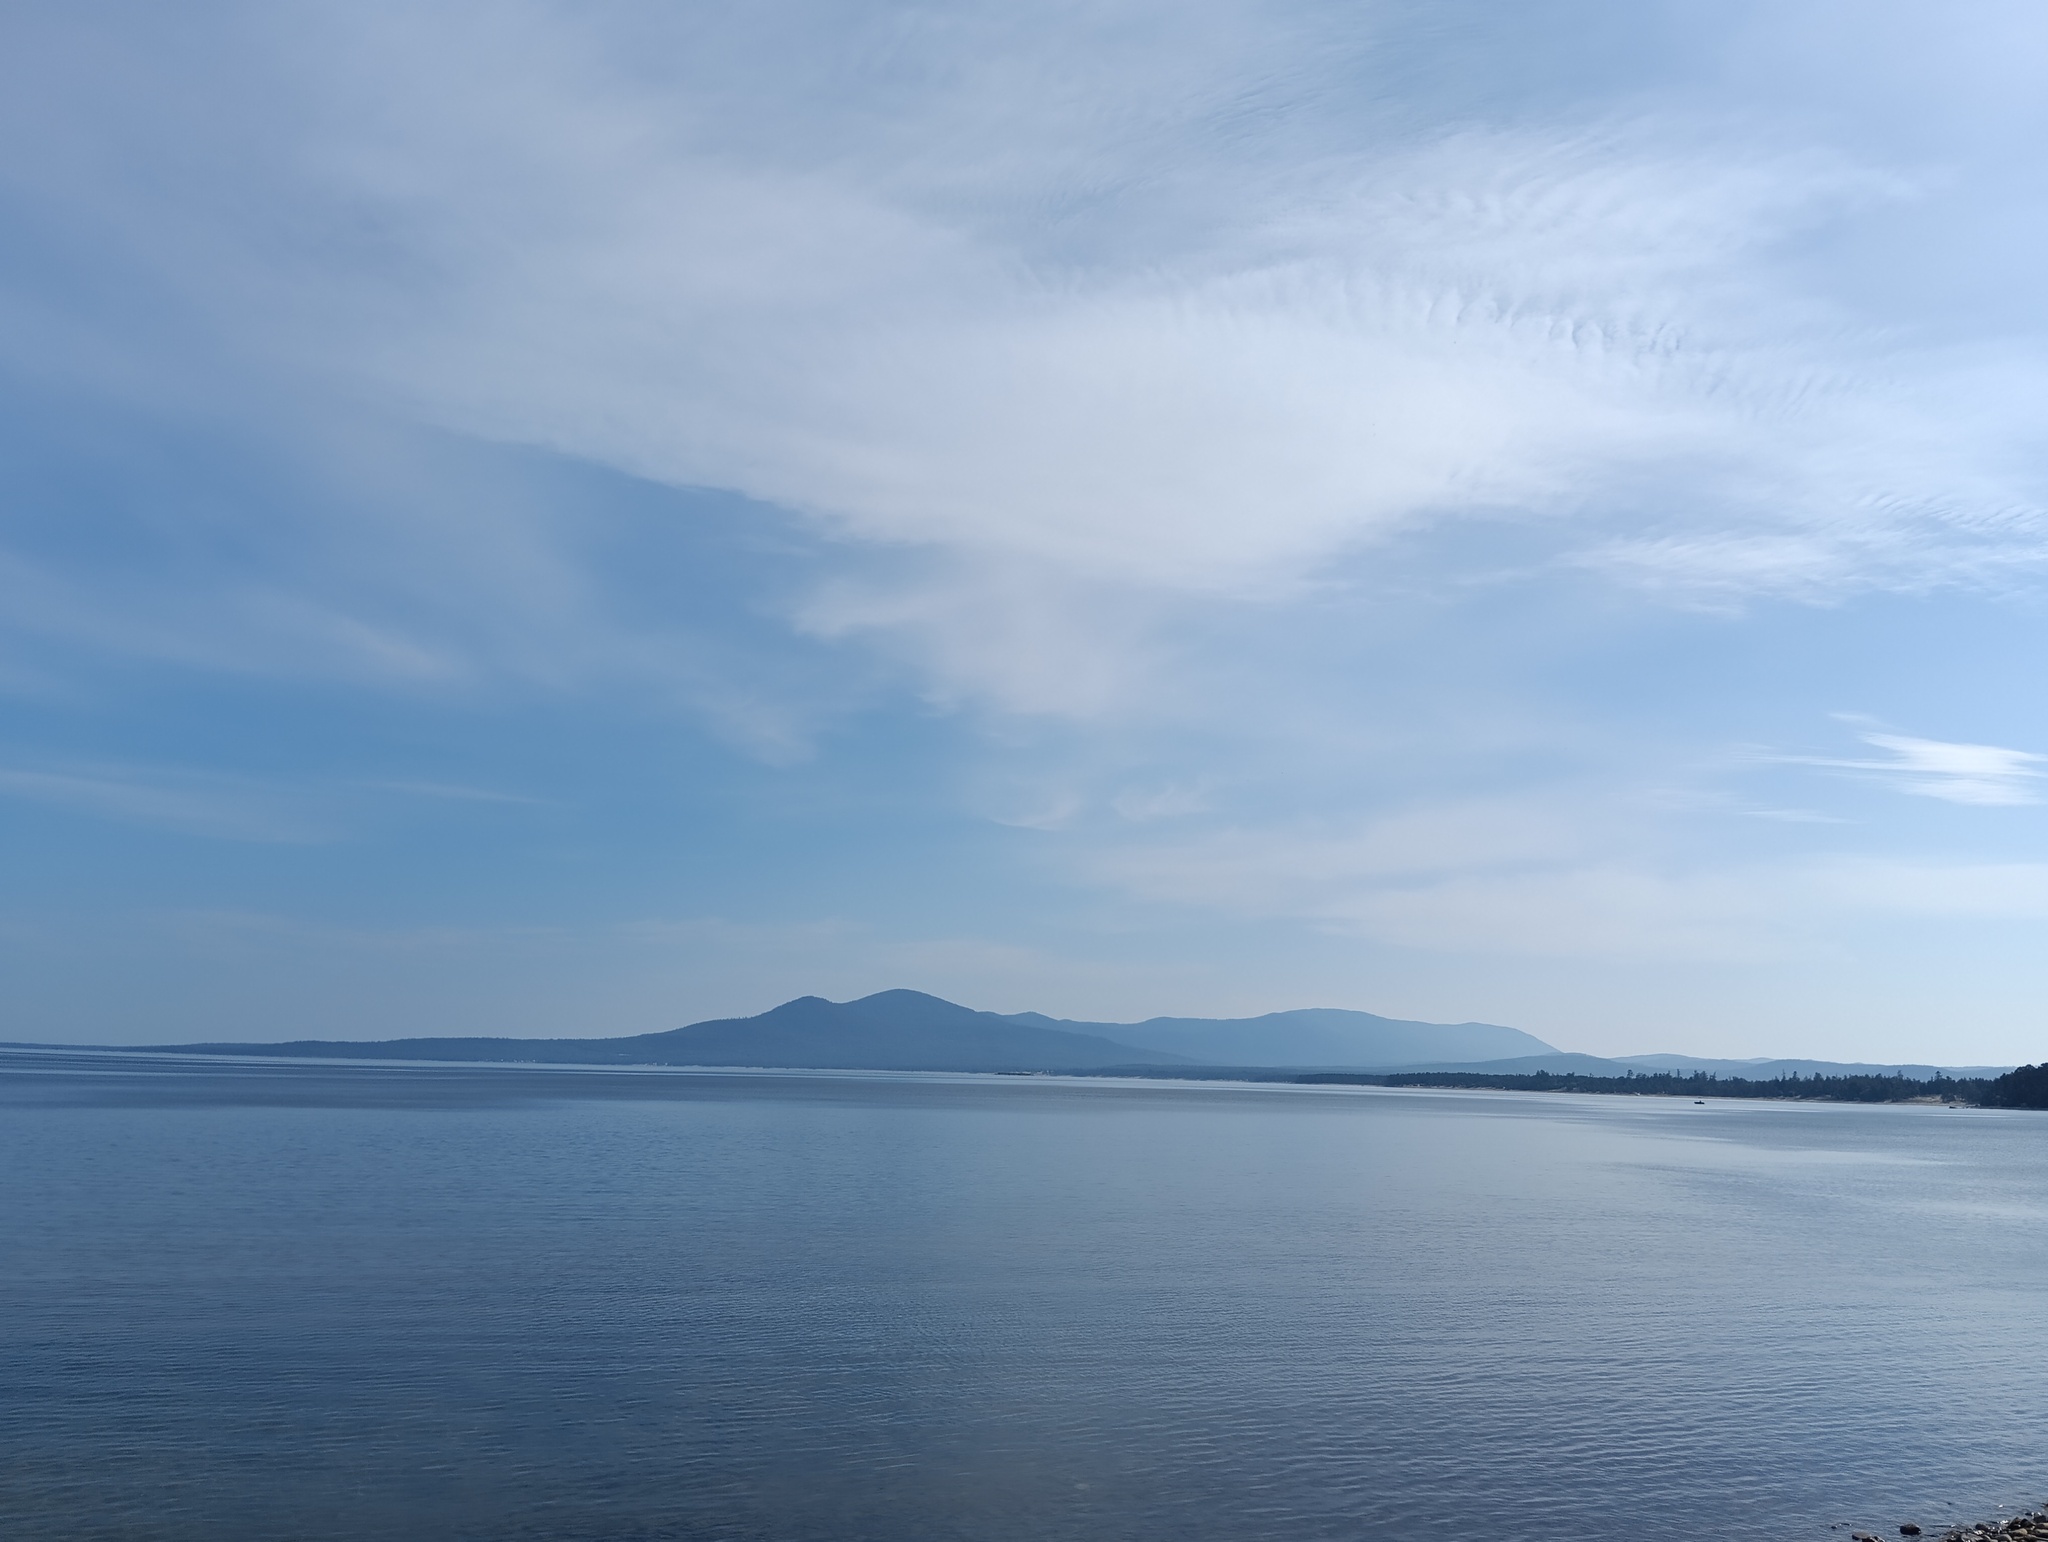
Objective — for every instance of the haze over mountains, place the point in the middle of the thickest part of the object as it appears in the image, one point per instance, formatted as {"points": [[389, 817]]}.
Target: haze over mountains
{"points": [[903, 1030], [1314, 1037], [889, 1031]]}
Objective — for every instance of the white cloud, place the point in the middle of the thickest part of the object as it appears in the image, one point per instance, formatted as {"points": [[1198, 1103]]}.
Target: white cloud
{"points": [[1134, 300], [1023, 637], [1523, 321], [1960, 773], [1984, 774]]}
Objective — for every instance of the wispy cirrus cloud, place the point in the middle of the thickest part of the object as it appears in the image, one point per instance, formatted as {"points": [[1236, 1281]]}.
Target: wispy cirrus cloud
{"points": [[1153, 302], [224, 806], [191, 803], [1984, 774]]}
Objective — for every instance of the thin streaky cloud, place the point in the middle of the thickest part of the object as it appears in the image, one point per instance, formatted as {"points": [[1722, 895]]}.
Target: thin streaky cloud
{"points": [[213, 806], [1984, 774], [452, 791]]}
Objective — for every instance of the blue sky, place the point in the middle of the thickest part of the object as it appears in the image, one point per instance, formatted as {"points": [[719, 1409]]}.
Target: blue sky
{"points": [[575, 519]]}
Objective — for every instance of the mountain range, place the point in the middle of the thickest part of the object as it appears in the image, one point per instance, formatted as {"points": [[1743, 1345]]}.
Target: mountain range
{"points": [[903, 1030]]}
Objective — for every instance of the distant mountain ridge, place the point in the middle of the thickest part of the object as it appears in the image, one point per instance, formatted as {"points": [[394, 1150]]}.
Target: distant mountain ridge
{"points": [[889, 1031], [905, 1030], [1312, 1038]]}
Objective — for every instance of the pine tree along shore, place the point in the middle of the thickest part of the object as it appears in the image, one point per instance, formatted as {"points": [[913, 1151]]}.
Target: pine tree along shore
{"points": [[2025, 1087]]}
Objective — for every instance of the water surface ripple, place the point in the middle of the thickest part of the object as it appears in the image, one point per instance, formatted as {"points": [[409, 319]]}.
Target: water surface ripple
{"points": [[248, 1300]]}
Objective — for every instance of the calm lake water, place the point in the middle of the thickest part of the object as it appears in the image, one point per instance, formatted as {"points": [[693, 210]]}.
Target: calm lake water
{"points": [[313, 1302]]}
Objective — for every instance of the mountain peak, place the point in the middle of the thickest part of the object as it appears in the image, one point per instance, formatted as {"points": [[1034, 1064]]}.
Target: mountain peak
{"points": [[914, 1030], [900, 998]]}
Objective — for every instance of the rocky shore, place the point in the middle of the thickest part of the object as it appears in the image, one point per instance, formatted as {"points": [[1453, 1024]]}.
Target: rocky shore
{"points": [[2027, 1526]]}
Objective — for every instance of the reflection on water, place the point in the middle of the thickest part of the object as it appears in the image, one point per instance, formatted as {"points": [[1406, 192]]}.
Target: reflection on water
{"points": [[241, 1300]]}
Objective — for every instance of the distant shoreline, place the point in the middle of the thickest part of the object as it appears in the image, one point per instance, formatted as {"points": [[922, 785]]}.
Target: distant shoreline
{"points": [[2025, 1087]]}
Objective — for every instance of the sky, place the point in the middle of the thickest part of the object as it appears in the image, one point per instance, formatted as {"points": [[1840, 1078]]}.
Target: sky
{"points": [[557, 519]]}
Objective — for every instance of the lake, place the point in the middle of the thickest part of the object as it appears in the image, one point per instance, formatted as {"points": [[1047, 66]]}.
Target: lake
{"points": [[307, 1301]]}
